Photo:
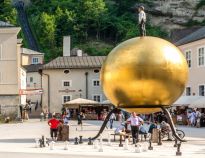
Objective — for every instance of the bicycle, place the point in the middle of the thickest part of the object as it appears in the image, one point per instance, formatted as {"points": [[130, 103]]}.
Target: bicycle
{"points": [[164, 133]]}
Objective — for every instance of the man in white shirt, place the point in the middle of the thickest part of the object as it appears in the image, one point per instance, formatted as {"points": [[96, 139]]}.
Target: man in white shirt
{"points": [[142, 20], [135, 122]]}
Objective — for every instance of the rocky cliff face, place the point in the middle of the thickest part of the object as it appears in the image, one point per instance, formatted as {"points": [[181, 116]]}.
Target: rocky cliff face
{"points": [[174, 14]]}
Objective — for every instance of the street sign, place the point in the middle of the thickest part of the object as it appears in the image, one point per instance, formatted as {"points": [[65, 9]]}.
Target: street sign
{"points": [[67, 90], [30, 91]]}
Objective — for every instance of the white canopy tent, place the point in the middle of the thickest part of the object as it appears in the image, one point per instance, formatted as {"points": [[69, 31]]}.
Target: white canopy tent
{"points": [[186, 100], [107, 102], [200, 103], [80, 101]]}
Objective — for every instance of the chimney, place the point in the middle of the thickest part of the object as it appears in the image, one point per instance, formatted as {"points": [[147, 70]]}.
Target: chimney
{"points": [[79, 53], [66, 45]]}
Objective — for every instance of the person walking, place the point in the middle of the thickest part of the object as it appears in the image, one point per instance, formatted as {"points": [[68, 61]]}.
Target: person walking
{"points": [[112, 118], [53, 123], [142, 21], [135, 122], [80, 117]]}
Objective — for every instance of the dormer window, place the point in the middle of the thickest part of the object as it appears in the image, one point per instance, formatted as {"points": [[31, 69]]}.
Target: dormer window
{"points": [[35, 60]]}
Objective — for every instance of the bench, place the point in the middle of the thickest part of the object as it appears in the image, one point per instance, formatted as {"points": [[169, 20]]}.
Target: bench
{"points": [[120, 135], [126, 135]]}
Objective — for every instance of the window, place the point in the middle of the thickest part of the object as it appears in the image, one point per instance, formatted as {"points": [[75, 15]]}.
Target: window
{"points": [[188, 58], [35, 60], [66, 71], [96, 71], [66, 98], [201, 57], [201, 90], [188, 91], [96, 83], [66, 83], [31, 79], [97, 98]]}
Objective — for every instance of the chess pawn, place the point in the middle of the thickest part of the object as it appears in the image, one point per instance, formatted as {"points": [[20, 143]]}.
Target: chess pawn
{"points": [[145, 147], [101, 138], [126, 147], [138, 148], [66, 145], [101, 147], [37, 142], [52, 145], [96, 144]]}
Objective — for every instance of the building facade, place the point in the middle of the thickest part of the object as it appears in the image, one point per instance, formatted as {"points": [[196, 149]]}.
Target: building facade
{"points": [[68, 78], [75, 75], [12, 75], [193, 48], [32, 61]]}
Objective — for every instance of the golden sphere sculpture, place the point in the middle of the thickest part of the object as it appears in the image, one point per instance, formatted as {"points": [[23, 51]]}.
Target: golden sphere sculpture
{"points": [[144, 73]]}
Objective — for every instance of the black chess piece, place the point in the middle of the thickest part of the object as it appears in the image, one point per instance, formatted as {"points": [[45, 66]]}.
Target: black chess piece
{"points": [[178, 153], [90, 141], [150, 145], [81, 140], [76, 141]]}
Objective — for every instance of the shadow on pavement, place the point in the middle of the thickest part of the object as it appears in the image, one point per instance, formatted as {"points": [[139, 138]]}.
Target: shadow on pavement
{"points": [[29, 140]]}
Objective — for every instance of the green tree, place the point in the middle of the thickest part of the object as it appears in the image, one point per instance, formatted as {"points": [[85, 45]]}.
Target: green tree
{"points": [[46, 31], [91, 13], [7, 12]]}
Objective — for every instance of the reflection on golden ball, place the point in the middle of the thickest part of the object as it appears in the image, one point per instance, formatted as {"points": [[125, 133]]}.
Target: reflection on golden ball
{"points": [[146, 71]]}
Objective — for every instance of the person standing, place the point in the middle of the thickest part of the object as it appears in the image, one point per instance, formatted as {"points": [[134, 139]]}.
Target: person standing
{"points": [[142, 21], [198, 118], [135, 122], [53, 123], [193, 118]]}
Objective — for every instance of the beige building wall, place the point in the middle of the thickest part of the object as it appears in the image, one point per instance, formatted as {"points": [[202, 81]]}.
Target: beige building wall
{"points": [[9, 66], [77, 79], [196, 72], [28, 59]]}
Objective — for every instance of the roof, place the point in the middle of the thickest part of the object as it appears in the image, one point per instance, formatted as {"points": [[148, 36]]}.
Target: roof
{"points": [[197, 35], [75, 62], [30, 52], [33, 67], [178, 34], [5, 24]]}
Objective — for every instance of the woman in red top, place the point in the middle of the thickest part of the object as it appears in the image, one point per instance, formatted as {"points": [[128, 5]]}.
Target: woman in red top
{"points": [[53, 123]]}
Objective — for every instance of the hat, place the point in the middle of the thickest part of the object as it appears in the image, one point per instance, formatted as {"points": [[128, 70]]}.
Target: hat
{"points": [[142, 7], [163, 123]]}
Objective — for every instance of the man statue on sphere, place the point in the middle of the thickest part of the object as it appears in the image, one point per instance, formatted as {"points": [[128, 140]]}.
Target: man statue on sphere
{"points": [[142, 21]]}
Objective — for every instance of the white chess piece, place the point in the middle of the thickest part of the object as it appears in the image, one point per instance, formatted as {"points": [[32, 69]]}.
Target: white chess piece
{"points": [[66, 145], [126, 147], [101, 138], [52, 145], [37, 142], [138, 148], [101, 147], [144, 147], [109, 140], [96, 144]]}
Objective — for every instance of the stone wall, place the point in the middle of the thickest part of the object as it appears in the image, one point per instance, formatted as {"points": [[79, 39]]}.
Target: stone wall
{"points": [[10, 110], [175, 13]]}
